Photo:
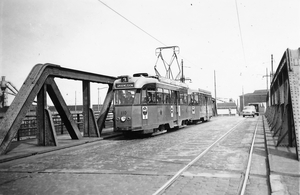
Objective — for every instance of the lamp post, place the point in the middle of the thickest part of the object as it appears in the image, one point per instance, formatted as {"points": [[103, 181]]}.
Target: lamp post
{"points": [[215, 86]]}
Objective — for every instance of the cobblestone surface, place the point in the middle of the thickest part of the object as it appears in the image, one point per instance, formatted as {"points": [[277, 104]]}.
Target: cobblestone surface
{"points": [[223, 166], [292, 184], [204, 185], [53, 183], [257, 185], [141, 166]]}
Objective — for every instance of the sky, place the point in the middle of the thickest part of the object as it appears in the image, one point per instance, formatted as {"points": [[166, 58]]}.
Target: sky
{"points": [[233, 38]]}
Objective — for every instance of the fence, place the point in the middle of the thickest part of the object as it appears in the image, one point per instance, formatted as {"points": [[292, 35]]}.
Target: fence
{"points": [[28, 128]]}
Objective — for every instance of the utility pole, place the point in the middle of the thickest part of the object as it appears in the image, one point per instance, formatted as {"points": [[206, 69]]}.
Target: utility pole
{"points": [[268, 75], [182, 77], [271, 67], [267, 78], [215, 82]]}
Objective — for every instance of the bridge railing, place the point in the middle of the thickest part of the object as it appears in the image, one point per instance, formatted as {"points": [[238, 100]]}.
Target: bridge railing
{"points": [[28, 128], [283, 114], [38, 84]]}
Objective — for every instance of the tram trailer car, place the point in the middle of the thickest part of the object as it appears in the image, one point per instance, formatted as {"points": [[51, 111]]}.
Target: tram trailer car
{"points": [[147, 104]]}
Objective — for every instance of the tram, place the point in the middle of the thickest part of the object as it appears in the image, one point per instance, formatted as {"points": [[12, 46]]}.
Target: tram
{"points": [[146, 104]]}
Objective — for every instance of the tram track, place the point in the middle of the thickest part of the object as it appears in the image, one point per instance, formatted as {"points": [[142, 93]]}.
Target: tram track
{"points": [[245, 175], [172, 180], [249, 162], [166, 164]]}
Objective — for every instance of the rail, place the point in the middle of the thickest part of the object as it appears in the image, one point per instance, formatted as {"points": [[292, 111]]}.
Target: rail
{"points": [[283, 111], [247, 172], [162, 189], [39, 82]]}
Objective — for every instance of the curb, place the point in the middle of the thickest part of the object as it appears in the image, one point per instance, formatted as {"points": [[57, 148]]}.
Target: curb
{"points": [[277, 185]]}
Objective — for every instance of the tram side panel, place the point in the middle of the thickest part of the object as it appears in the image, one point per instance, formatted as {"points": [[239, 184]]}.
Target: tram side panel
{"points": [[169, 115], [150, 119], [210, 110], [122, 115], [136, 117], [128, 118]]}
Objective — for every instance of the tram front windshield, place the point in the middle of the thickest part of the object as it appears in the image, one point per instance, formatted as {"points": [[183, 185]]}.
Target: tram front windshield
{"points": [[125, 96]]}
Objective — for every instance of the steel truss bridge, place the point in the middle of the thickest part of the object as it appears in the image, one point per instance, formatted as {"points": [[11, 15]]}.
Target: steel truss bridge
{"points": [[39, 82], [283, 113]]}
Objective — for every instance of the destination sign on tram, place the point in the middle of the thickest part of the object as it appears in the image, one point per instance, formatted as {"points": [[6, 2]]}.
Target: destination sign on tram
{"points": [[124, 85]]}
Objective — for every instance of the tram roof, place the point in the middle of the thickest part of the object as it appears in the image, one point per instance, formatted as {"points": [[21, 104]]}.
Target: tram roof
{"points": [[140, 81], [199, 91]]}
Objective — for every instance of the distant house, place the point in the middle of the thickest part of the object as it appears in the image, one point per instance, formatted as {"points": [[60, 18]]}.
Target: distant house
{"points": [[258, 97], [227, 109]]}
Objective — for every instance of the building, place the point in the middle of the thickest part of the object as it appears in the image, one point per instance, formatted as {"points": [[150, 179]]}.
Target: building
{"points": [[258, 98], [227, 109]]}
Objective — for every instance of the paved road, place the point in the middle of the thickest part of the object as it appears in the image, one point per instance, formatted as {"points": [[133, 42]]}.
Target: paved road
{"points": [[141, 166]]}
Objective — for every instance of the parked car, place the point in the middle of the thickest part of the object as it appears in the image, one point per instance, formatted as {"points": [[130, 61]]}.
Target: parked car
{"points": [[258, 107], [249, 111]]}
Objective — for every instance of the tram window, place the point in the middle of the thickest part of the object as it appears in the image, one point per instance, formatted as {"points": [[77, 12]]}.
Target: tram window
{"points": [[181, 98], [144, 97], [166, 96], [137, 98], [200, 99], [124, 97], [190, 98], [151, 97], [203, 100], [185, 98], [196, 99], [130, 96], [177, 97], [119, 97], [159, 96], [173, 97]]}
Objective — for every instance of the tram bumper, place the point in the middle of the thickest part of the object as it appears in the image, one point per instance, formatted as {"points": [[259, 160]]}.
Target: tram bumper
{"points": [[118, 128]]}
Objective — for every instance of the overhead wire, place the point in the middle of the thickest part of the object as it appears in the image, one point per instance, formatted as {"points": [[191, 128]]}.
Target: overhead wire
{"points": [[132, 23], [141, 29], [240, 30]]}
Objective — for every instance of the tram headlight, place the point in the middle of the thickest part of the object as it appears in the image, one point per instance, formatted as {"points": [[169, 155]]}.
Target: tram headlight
{"points": [[123, 119]]}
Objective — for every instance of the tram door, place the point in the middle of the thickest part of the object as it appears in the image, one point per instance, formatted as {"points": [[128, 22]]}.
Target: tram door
{"points": [[177, 106]]}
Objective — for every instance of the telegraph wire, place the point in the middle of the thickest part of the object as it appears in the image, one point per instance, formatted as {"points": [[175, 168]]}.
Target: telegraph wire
{"points": [[238, 18], [193, 64], [140, 28], [131, 22]]}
